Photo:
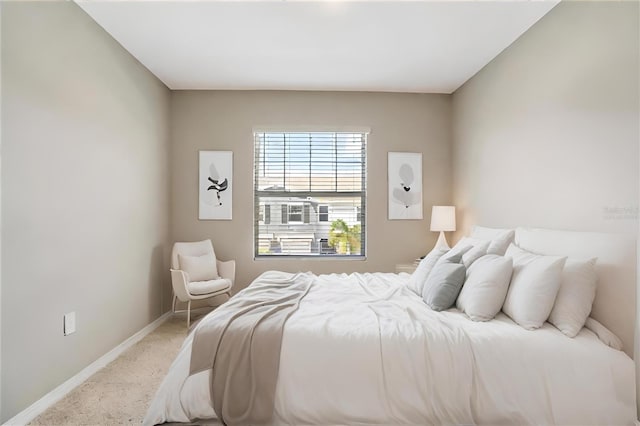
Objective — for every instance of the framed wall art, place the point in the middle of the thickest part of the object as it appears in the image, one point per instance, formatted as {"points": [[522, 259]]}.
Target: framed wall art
{"points": [[405, 185], [215, 185]]}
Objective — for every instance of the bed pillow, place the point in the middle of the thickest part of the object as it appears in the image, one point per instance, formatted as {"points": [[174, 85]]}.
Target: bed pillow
{"points": [[445, 280], [534, 286], [485, 287], [575, 297], [455, 254], [499, 238], [199, 268], [478, 249], [419, 276]]}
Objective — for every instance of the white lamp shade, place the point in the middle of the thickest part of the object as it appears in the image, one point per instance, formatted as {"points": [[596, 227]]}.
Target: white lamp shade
{"points": [[443, 218]]}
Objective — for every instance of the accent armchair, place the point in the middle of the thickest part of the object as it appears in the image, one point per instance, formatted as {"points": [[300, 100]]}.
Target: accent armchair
{"points": [[196, 274]]}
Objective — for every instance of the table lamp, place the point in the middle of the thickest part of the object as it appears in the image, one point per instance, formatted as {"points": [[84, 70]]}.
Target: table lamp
{"points": [[443, 219]]}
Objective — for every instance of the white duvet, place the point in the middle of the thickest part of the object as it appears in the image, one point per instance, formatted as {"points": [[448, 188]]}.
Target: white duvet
{"points": [[364, 349]]}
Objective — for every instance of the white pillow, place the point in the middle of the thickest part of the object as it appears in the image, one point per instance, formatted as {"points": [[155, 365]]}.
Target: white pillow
{"points": [[575, 297], [499, 238], [454, 255], [199, 268], [486, 287], [534, 286], [420, 275], [478, 249]]}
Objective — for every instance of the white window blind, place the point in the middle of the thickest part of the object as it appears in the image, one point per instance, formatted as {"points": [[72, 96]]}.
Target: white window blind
{"points": [[313, 184]]}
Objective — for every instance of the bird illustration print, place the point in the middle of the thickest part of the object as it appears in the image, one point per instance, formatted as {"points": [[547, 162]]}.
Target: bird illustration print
{"points": [[218, 186], [215, 185]]}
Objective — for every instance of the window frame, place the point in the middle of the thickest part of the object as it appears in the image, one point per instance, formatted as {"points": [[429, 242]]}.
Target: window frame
{"points": [[289, 213], [320, 213], [362, 194]]}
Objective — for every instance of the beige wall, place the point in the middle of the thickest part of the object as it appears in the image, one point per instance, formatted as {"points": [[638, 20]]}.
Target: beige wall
{"points": [[219, 120], [547, 134], [85, 181]]}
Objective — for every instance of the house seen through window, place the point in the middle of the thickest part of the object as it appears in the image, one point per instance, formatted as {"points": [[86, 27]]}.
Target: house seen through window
{"points": [[310, 194]]}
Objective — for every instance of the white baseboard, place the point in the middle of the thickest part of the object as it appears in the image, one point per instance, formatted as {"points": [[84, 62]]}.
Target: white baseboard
{"points": [[38, 407]]}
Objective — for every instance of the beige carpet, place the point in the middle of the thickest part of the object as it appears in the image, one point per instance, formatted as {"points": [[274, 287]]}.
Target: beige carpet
{"points": [[121, 392]]}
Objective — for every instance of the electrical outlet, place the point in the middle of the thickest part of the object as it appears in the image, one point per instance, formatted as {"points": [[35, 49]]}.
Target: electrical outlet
{"points": [[69, 323]]}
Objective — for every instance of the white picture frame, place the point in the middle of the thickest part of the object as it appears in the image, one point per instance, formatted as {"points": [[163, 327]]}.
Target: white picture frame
{"points": [[215, 185], [404, 176]]}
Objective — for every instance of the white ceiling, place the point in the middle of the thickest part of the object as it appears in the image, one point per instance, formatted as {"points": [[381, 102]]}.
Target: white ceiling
{"points": [[392, 46]]}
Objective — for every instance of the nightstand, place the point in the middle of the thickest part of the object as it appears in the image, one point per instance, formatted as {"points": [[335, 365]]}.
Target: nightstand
{"points": [[406, 267]]}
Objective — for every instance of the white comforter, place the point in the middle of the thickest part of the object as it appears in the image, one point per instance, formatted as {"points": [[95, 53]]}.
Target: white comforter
{"points": [[363, 349]]}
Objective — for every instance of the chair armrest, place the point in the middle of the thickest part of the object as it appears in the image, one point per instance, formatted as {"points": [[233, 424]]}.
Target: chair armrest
{"points": [[227, 269], [179, 281]]}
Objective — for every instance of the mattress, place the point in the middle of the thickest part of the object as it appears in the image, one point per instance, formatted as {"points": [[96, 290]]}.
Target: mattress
{"points": [[364, 349]]}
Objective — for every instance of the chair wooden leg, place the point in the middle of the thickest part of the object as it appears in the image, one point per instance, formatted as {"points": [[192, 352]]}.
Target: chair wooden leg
{"points": [[173, 305], [189, 314]]}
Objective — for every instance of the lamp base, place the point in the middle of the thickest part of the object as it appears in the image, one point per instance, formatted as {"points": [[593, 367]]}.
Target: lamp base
{"points": [[442, 242]]}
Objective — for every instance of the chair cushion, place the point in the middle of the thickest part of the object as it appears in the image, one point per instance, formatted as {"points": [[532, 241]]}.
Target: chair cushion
{"points": [[198, 288], [197, 248], [199, 268]]}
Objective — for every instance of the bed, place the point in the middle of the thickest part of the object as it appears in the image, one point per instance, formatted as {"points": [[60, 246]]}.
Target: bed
{"points": [[364, 349]]}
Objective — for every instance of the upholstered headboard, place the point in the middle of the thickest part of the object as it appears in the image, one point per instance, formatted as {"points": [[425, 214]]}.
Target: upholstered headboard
{"points": [[615, 303]]}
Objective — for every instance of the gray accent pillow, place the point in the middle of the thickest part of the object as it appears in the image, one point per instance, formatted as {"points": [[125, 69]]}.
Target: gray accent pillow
{"points": [[444, 283], [419, 276]]}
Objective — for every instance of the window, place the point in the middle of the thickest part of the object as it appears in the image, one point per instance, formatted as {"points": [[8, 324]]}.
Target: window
{"points": [[264, 214], [267, 214], [295, 213], [323, 216], [310, 194]]}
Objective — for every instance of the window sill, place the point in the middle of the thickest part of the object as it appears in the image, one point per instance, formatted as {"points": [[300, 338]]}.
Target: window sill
{"points": [[312, 257]]}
